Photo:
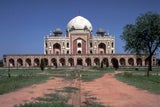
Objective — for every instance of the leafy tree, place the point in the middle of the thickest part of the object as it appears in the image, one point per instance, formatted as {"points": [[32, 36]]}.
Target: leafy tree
{"points": [[143, 37], [42, 64]]}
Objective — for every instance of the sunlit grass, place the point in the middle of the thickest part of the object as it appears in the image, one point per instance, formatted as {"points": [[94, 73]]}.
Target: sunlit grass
{"points": [[151, 83], [16, 82]]}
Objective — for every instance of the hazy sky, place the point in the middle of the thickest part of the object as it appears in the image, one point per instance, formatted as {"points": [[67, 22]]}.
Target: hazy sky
{"points": [[24, 23]]}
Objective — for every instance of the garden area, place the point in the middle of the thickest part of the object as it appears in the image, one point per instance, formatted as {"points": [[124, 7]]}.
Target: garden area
{"points": [[88, 87]]}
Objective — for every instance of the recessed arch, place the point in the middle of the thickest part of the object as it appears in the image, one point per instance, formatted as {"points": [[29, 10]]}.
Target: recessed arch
{"points": [[97, 61], [36, 62], [102, 48], [105, 62], [79, 52], [11, 62], [122, 62], [79, 46], [131, 61], [139, 62], [46, 61], [115, 63], [57, 48], [71, 61], [19, 62], [88, 61], [54, 61], [62, 61], [79, 61], [28, 62]]}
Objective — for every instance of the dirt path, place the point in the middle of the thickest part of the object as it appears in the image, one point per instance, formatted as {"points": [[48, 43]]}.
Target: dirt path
{"points": [[106, 90], [111, 92], [30, 93]]}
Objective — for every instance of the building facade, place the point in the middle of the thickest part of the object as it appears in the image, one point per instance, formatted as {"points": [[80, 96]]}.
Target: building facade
{"points": [[77, 47]]}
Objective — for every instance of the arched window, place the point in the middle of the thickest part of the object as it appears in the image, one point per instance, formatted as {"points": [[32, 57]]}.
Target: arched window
{"points": [[79, 45], [67, 45], [112, 44], [91, 44], [79, 52], [91, 52], [67, 51]]}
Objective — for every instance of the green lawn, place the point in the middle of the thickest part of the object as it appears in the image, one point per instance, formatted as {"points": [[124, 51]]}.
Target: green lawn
{"points": [[24, 77], [151, 83], [139, 69], [19, 78], [17, 82], [15, 72]]}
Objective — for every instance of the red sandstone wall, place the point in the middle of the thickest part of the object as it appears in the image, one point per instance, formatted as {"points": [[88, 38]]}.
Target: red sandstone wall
{"points": [[83, 47]]}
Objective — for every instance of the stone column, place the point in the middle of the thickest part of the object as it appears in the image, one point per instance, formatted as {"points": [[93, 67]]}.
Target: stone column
{"points": [[109, 62], [135, 61], [32, 62], [49, 62], [143, 62], [75, 61], [126, 61], [58, 64], [84, 62]]}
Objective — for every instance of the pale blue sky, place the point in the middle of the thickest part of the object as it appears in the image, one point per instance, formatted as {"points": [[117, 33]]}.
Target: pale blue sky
{"points": [[24, 23]]}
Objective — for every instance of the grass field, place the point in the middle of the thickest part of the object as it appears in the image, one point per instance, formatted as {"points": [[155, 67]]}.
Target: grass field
{"points": [[151, 83], [19, 79], [139, 69], [24, 77]]}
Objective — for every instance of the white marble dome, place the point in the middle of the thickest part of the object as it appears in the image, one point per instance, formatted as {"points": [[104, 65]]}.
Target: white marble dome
{"points": [[79, 23]]}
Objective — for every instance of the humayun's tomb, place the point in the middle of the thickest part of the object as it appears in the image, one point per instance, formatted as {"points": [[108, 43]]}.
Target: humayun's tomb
{"points": [[77, 47]]}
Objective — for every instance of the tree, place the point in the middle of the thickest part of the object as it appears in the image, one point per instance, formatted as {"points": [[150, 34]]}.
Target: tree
{"points": [[143, 37], [42, 64]]}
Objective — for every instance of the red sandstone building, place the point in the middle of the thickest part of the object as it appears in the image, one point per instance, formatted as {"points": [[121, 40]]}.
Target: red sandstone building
{"points": [[77, 47]]}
